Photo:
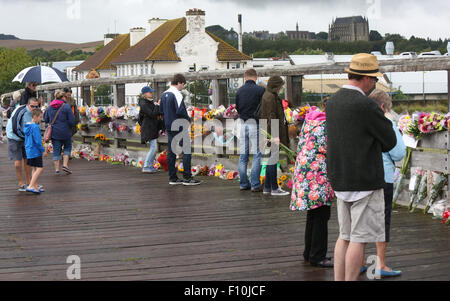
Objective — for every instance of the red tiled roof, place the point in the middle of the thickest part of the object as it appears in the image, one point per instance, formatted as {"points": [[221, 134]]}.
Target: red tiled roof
{"points": [[160, 46], [101, 60]]}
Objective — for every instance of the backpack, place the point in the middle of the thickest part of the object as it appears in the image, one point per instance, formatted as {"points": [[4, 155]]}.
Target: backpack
{"points": [[17, 122]]}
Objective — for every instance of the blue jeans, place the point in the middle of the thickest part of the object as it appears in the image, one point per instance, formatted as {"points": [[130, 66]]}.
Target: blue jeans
{"points": [[151, 155], [57, 146], [249, 134]]}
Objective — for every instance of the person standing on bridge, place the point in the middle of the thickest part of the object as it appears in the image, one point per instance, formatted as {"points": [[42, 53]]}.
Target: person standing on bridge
{"points": [[272, 112], [148, 120], [174, 109], [16, 140], [396, 154], [358, 133], [73, 105], [60, 114], [30, 92], [248, 98], [311, 190], [35, 150]]}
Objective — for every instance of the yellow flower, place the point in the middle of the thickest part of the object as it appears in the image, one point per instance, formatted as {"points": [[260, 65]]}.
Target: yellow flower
{"points": [[283, 178]]}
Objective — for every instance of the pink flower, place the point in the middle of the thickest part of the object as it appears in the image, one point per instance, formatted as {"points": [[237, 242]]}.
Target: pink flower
{"points": [[301, 178], [320, 158], [309, 176], [315, 166], [320, 180], [310, 145], [313, 186]]}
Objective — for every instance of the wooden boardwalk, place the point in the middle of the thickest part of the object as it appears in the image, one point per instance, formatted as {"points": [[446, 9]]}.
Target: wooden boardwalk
{"points": [[125, 225]]}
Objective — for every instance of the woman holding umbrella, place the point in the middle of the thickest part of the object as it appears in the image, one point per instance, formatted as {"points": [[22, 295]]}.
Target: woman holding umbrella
{"points": [[60, 116], [33, 76]]}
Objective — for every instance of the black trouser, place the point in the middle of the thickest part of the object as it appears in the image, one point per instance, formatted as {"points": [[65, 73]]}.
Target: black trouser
{"points": [[172, 157], [270, 183], [388, 195], [316, 234]]}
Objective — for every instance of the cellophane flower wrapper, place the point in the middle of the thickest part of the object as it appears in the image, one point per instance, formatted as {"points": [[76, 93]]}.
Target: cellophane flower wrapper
{"points": [[418, 174], [439, 180], [421, 193]]}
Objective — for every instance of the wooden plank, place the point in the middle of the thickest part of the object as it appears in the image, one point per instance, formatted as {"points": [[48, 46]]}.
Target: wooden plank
{"points": [[436, 140], [430, 161]]}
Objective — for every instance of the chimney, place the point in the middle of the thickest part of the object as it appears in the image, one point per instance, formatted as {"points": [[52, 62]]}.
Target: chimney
{"points": [[155, 23], [109, 37], [136, 35], [195, 20], [240, 31]]}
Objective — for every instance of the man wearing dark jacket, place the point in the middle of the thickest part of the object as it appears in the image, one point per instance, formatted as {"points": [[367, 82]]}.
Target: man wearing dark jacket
{"points": [[173, 108], [148, 119], [248, 98], [358, 133]]}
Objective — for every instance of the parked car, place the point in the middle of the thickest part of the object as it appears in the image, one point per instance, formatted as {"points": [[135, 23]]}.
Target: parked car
{"points": [[430, 53], [410, 54]]}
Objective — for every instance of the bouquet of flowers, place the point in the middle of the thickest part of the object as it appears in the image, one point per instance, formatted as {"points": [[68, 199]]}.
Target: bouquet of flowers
{"points": [[445, 121], [231, 112], [418, 177], [101, 139], [430, 123], [83, 127], [439, 180], [403, 122], [446, 217], [289, 152], [401, 178], [219, 111], [83, 110], [421, 193]]}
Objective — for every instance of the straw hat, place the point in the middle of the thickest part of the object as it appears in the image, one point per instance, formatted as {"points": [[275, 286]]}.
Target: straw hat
{"points": [[364, 64]]}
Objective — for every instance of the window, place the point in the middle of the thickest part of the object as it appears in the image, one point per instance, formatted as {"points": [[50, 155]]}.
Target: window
{"points": [[142, 69], [146, 68], [132, 70], [129, 70]]}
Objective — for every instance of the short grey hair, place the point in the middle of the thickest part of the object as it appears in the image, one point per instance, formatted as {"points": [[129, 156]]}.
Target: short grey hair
{"points": [[381, 97]]}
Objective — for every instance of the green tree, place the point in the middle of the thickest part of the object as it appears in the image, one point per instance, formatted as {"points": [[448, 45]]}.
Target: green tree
{"points": [[322, 35], [308, 51], [375, 36], [11, 63]]}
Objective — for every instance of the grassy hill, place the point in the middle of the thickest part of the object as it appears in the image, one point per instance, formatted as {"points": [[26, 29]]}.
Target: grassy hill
{"points": [[49, 45]]}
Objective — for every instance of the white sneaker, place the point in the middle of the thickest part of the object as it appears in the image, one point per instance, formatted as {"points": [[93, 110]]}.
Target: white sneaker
{"points": [[279, 192]]}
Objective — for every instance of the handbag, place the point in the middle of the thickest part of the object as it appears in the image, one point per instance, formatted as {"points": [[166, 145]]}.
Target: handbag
{"points": [[48, 130]]}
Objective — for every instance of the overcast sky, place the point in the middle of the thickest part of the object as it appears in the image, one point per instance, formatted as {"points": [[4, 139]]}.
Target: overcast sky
{"points": [[88, 20]]}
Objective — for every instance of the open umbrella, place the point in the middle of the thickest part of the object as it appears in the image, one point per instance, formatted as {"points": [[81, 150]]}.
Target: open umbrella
{"points": [[40, 74]]}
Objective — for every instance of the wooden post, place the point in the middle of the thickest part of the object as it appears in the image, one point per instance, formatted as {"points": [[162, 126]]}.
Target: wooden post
{"points": [[159, 88], [294, 89], [86, 92], [119, 95], [222, 92], [448, 89]]}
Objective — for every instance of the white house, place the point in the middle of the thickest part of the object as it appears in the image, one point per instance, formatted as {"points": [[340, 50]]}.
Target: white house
{"points": [[178, 45]]}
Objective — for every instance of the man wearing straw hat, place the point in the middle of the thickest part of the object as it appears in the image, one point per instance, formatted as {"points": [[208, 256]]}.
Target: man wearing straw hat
{"points": [[358, 133]]}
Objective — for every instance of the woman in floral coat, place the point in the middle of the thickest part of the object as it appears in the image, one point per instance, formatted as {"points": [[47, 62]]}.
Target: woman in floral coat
{"points": [[311, 190]]}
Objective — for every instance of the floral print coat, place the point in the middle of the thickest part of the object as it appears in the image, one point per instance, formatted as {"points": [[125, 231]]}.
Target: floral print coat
{"points": [[311, 188]]}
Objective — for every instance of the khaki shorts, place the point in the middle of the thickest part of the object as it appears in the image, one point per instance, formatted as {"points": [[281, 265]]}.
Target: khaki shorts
{"points": [[362, 221]]}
